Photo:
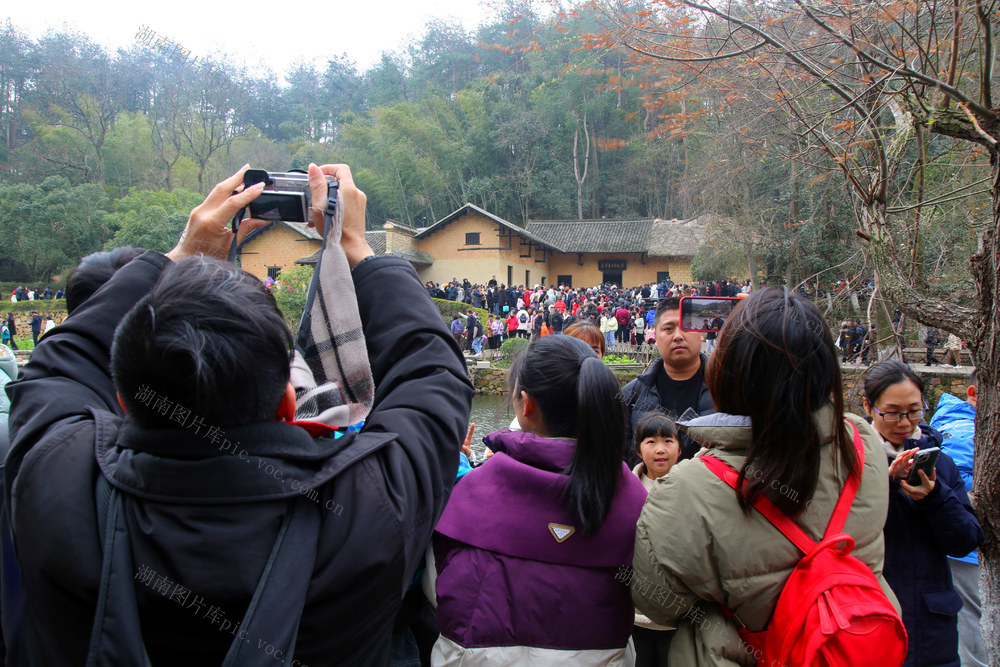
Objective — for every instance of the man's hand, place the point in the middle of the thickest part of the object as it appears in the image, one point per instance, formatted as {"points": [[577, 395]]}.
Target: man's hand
{"points": [[352, 237], [207, 231]]}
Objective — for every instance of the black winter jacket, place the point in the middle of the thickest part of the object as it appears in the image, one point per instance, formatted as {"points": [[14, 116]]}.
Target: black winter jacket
{"points": [[206, 519], [643, 394]]}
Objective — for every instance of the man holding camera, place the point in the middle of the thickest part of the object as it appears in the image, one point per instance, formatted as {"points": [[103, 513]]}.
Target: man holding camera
{"points": [[172, 383]]}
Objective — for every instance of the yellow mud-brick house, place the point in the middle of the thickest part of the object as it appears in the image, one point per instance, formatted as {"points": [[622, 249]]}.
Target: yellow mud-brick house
{"points": [[475, 244]]}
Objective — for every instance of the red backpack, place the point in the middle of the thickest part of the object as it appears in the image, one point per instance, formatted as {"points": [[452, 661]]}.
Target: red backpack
{"points": [[831, 610]]}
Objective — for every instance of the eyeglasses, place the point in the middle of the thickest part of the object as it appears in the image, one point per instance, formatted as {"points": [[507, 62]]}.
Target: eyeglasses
{"points": [[912, 415]]}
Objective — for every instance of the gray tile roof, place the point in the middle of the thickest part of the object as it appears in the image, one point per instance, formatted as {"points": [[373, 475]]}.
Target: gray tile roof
{"points": [[467, 208], [376, 239], [414, 257], [310, 259], [303, 229], [297, 227], [679, 238], [603, 236], [656, 237]]}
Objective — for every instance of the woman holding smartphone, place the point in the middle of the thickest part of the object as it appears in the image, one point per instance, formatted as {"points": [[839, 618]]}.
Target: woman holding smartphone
{"points": [[929, 517]]}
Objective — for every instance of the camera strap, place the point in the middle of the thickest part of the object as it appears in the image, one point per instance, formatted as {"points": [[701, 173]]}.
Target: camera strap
{"points": [[330, 370], [235, 224]]}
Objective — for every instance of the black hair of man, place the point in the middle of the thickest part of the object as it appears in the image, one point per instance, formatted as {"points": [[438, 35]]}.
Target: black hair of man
{"points": [[663, 305], [93, 271], [208, 338]]}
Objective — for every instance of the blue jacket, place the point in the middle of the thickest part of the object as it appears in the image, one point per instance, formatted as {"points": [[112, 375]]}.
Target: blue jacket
{"points": [[919, 535], [956, 420]]}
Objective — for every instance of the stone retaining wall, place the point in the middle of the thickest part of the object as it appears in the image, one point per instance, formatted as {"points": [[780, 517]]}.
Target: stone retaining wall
{"points": [[953, 381]]}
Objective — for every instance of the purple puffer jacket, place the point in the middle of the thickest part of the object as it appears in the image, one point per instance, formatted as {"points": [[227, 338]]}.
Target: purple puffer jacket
{"points": [[507, 572]]}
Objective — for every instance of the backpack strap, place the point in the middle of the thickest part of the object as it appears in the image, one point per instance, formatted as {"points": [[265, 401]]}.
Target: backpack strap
{"points": [[274, 610], [779, 519], [115, 637], [843, 506], [763, 505]]}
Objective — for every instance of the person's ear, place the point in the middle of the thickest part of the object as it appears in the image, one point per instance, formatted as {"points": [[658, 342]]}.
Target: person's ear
{"points": [[286, 409], [121, 403], [530, 404], [972, 393], [868, 408]]}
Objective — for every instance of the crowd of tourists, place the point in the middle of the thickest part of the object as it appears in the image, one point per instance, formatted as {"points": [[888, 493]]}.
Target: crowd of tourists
{"points": [[622, 315], [179, 489], [22, 293]]}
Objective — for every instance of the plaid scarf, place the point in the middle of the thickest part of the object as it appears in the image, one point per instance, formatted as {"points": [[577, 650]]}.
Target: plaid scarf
{"points": [[330, 370]]}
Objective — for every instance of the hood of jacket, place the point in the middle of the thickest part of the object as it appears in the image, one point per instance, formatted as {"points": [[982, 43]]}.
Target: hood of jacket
{"points": [[206, 465], [951, 409], [551, 454], [735, 432]]}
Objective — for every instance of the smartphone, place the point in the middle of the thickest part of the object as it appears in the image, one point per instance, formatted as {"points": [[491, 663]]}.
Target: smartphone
{"points": [[706, 313], [926, 460]]}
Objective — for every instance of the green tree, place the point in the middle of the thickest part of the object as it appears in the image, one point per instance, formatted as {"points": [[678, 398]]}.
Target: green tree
{"points": [[129, 156], [209, 123], [290, 293], [150, 219], [16, 55], [50, 226]]}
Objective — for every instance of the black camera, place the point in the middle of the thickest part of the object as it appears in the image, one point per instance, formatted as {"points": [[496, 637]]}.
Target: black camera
{"points": [[286, 195]]}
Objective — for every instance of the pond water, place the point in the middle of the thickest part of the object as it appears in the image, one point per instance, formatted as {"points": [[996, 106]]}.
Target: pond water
{"points": [[489, 413]]}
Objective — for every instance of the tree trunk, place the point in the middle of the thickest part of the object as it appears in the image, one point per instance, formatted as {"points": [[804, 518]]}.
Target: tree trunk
{"points": [[685, 198], [754, 269], [980, 328], [580, 176], [985, 348]]}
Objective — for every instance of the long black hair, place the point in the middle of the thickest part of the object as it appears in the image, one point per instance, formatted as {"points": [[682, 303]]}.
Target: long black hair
{"points": [[578, 397], [775, 362]]}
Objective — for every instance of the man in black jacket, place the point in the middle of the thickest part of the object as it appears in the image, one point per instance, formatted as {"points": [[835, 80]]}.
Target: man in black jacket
{"points": [[36, 326], [672, 384], [202, 515]]}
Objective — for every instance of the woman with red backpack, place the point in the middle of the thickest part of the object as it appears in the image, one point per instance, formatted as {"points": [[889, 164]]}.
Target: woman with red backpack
{"points": [[733, 569]]}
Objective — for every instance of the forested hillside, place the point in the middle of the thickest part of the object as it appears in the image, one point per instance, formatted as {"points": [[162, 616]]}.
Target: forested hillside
{"points": [[527, 117]]}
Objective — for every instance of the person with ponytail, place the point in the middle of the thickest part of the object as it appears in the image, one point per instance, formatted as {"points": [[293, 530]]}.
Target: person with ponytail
{"points": [[526, 562], [780, 424]]}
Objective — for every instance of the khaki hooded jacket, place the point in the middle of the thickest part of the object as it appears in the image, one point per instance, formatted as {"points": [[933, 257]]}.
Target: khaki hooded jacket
{"points": [[695, 548]]}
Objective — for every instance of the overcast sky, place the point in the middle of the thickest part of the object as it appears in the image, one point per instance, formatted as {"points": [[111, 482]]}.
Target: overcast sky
{"points": [[277, 37]]}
